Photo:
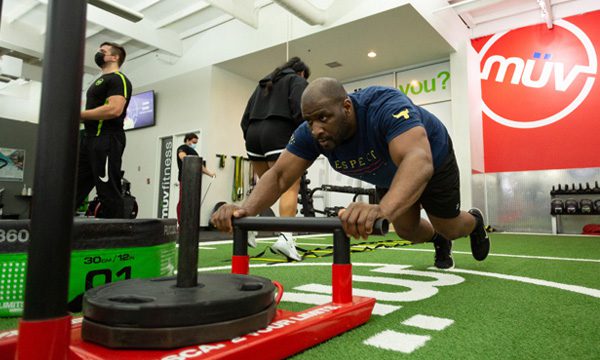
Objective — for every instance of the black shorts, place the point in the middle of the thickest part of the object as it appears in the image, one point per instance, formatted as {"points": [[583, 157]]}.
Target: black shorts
{"points": [[266, 139], [441, 197]]}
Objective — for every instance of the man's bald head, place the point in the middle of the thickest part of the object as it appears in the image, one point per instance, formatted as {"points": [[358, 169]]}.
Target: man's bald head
{"points": [[322, 91], [329, 112]]}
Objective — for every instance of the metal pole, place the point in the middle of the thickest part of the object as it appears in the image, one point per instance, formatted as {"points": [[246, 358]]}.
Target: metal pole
{"points": [[48, 259], [309, 224], [187, 265], [341, 247], [240, 241], [341, 270]]}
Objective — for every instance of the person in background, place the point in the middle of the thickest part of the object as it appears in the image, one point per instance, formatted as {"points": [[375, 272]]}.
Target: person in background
{"points": [[103, 141], [379, 136], [190, 141], [272, 114]]}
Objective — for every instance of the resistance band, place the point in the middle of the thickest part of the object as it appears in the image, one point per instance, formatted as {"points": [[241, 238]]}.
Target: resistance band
{"points": [[237, 192], [325, 251]]}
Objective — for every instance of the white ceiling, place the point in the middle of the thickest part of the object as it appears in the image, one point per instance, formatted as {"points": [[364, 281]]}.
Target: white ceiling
{"points": [[400, 36]]}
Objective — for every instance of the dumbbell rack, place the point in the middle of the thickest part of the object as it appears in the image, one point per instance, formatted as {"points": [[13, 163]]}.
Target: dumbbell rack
{"points": [[577, 194]]}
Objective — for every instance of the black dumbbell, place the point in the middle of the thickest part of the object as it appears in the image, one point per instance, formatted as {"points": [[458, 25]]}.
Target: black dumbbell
{"points": [[557, 207], [571, 206], [586, 206]]}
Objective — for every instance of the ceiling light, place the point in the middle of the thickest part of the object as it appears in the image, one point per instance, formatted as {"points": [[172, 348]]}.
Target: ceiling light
{"points": [[372, 54]]}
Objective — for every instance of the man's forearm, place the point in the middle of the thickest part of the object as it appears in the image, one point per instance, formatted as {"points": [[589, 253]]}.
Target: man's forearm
{"points": [[265, 193], [104, 112], [408, 184]]}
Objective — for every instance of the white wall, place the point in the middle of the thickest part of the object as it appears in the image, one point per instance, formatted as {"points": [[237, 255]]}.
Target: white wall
{"points": [[223, 135], [209, 99], [465, 105], [21, 101], [181, 104]]}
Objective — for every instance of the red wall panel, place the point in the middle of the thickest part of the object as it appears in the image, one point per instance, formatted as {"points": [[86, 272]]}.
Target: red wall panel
{"points": [[541, 96]]}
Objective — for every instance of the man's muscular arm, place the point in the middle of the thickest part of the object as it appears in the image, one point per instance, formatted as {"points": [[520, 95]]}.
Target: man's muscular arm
{"points": [[113, 108]]}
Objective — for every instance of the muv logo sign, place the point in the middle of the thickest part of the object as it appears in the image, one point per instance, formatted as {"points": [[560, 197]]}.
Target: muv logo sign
{"points": [[528, 88]]}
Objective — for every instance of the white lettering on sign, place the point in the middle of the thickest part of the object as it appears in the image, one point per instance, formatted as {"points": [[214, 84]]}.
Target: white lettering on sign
{"points": [[522, 71]]}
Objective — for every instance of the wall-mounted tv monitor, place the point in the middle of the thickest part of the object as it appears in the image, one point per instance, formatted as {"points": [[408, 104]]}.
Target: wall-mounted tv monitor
{"points": [[140, 112]]}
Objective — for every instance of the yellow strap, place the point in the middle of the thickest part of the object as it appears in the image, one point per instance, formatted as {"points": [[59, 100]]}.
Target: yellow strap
{"points": [[101, 121], [324, 251], [124, 83]]}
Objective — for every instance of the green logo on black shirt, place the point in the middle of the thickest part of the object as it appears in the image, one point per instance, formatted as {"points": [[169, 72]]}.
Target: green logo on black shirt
{"points": [[99, 81]]}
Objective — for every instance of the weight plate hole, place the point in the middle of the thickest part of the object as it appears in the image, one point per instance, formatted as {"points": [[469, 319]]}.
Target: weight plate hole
{"points": [[251, 286], [131, 299]]}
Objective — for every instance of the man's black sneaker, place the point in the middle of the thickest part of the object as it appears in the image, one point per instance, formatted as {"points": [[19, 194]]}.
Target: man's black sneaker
{"points": [[443, 253], [480, 242]]}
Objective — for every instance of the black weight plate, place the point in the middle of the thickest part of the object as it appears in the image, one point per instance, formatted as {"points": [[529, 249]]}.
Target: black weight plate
{"points": [[174, 337], [153, 303]]}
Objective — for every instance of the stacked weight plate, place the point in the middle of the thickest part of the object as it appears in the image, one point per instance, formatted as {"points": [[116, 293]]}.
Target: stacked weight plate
{"points": [[165, 313], [156, 314]]}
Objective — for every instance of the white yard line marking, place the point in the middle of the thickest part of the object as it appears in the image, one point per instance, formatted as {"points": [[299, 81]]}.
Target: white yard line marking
{"points": [[573, 288], [469, 253], [506, 255], [428, 322], [397, 341]]}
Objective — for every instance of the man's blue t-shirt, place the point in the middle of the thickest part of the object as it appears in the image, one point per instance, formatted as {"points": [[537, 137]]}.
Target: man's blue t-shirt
{"points": [[382, 113]]}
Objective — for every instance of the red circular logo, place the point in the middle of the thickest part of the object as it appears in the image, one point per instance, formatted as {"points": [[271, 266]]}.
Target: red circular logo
{"points": [[532, 79]]}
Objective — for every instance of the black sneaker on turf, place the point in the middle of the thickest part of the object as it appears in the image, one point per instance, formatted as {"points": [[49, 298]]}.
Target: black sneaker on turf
{"points": [[480, 242], [443, 253]]}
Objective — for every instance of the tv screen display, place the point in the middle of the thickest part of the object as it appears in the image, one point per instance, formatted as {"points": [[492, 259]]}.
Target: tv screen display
{"points": [[140, 112]]}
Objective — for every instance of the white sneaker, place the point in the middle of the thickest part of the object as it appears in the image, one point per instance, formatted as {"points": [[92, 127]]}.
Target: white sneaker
{"points": [[252, 238], [286, 245]]}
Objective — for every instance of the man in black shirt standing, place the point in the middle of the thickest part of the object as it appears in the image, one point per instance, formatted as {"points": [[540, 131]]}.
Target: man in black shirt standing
{"points": [[190, 141], [103, 142]]}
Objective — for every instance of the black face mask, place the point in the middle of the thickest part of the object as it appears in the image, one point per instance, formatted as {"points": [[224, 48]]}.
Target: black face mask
{"points": [[99, 59]]}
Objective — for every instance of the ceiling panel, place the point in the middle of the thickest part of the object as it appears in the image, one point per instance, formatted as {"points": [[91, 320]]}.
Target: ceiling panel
{"points": [[164, 8], [196, 19], [349, 44], [35, 18]]}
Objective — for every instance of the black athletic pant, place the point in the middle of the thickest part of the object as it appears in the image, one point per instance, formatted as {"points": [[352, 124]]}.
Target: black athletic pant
{"points": [[100, 167]]}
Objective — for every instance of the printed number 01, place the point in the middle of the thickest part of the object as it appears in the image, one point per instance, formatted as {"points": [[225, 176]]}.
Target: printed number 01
{"points": [[107, 274]]}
